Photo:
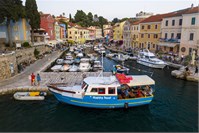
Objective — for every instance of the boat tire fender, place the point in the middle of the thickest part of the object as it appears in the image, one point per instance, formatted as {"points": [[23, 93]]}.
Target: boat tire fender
{"points": [[126, 105]]}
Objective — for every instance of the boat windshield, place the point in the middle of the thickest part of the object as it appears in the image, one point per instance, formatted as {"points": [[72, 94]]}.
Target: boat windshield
{"points": [[152, 57]]}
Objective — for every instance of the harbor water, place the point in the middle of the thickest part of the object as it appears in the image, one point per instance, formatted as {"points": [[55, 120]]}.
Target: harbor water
{"points": [[174, 108]]}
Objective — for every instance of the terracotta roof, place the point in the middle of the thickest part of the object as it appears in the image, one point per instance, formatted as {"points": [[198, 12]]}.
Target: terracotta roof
{"points": [[192, 10], [138, 21], [157, 18], [71, 24]]}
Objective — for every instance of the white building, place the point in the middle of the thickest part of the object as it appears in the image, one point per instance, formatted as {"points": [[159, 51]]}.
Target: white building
{"points": [[98, 32], [190, 32], [142, 14], [127, 35]]}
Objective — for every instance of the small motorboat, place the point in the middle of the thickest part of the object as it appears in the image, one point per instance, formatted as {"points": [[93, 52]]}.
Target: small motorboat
{"points": [[56, 68], [84, 67], [77, 60], [68, 62], [120, 69], [80, 55], [73, 68], [69, 57], [65, 68], [60, 61], [97, 66], [30, 95]]}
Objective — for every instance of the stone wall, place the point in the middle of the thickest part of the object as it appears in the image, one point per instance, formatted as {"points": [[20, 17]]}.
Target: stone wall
{"points": [[12, 60], [8, 66]]}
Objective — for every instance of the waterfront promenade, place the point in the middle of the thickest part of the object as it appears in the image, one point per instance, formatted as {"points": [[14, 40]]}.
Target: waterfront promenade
{"points": [[21, 82], [22, 79]]}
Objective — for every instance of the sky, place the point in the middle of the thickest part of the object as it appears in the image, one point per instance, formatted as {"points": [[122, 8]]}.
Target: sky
{"points": [[110, 9]]}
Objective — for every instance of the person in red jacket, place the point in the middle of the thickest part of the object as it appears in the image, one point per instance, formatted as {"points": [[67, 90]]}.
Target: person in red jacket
{"points": [[32, 79]]}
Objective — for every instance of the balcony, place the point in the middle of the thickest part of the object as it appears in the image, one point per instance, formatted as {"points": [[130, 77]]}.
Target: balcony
{"points": [[171, 40]]}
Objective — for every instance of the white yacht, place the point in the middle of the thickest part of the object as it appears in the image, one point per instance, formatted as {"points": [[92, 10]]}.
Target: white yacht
{"points": [[147, 58], [84, 66], [97, 65]]}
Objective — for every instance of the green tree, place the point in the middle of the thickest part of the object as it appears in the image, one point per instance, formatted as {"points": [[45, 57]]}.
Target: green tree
{"points": [[102, 21], [11, 10], [114, 21], [90, 19], [123, 19], [70, 18], [33, 16], [80, 16]]}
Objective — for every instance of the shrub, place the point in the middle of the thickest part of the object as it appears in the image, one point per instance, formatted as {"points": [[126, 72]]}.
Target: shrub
{"points": [[26, 44], [36, 53], [187, 60]]}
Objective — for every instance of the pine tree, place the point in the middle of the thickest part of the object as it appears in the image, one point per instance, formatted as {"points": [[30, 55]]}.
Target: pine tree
{"points": [[33, 16]]}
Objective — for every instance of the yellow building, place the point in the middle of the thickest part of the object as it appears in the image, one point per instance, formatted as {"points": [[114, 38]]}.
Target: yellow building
{"points": [[118, 31], [150, 32], [77, 33]]}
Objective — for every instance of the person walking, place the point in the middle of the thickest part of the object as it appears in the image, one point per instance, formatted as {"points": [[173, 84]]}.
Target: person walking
{"points": [[32, 79], [38, 79]]}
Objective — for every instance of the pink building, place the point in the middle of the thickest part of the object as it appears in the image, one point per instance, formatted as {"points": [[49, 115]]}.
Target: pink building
{"points": [[92, 32]]}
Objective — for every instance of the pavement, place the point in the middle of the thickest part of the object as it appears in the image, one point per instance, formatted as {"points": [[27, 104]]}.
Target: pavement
{"points": [[22, 79]]}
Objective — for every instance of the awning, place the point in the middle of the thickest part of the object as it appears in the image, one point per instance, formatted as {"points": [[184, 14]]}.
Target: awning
{"points": [[168, 44]]}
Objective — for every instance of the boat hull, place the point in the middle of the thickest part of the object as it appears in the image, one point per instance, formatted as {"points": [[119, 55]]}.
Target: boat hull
{"points": [[150, 64], [102, 102]]}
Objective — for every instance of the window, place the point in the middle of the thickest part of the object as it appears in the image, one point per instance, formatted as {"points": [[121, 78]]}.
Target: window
{"points": [[155, 35], [142, 26], [111, 90], [142, 35], [75, 32], [193, 21], [156, 26], [153, 45], [173, 22], [94, 90], [149, 27], [172, 35], [191, 36], [166, 24], [180, 21], [148, 35], [101, 90], [165, 35], [178, 36]]}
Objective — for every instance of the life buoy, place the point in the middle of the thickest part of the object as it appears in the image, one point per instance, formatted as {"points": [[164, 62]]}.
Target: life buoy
{"points": [[126, 105]]}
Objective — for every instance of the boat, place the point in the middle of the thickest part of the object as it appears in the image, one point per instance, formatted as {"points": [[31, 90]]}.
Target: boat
{"points": [[65, 68], [56, 68], [80, 55], [97, 66], [68, 62], [102, 52], [69, 57], [29, 95], [77, 60], [110, 55], [84, 67], [147, 58], [60, 61], [68, 54], [119, 57], [132, 57], [119, 91], [120, 69], [73, 68], [84, 60]]}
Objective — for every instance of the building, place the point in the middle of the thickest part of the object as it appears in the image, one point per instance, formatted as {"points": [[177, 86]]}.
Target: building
{"points": [[47, 23], [62, 18], [135, 30], [92, 32], [40, 37], [127, 35], [57, 30], [150, 31], [118, 31], [77, 33], [98, 32], [142, 14], [19, 31], [190, 32], [62, 32], [108, 30]]}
